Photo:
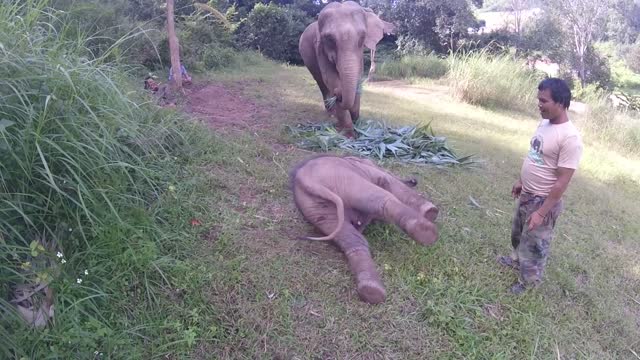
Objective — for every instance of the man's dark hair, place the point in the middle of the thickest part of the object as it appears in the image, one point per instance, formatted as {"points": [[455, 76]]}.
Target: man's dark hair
{"points": [[559, 89]]}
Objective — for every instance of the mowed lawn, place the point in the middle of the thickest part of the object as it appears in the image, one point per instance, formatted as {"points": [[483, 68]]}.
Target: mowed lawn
{"points": [[276, 297]]}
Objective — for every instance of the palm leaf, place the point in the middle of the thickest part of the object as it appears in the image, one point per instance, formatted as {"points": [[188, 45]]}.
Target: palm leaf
{"points": [[414, 144]]}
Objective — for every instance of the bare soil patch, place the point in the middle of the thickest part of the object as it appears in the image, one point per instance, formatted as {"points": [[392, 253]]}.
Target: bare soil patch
{"points": [[224, 108]]}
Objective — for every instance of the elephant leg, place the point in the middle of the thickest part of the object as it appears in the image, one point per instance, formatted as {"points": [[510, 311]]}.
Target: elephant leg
{"points": [[324, 90], [344, 125], [356, 249], [372, 68], [410, 197], [382, 204], [355, 112]]}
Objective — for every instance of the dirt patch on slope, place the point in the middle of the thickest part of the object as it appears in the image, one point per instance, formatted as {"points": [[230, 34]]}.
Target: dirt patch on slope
{"points": [[224, 108]]}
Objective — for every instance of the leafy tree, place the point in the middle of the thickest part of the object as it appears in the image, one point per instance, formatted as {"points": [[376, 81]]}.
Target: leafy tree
{"points": [[546, 35], [584, 19], [432, 24], [623, 22]]}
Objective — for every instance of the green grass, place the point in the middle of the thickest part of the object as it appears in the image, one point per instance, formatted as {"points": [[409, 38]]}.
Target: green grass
{"points": [[412, 66], [91, 170], [620, 129], [285, 298]]}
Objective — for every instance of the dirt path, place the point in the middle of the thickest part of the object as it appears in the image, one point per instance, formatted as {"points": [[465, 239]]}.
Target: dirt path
{"points": [[224, 108]]}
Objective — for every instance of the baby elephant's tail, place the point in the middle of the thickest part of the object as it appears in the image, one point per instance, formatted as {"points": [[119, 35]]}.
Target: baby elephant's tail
{"points": [[323, 192]]}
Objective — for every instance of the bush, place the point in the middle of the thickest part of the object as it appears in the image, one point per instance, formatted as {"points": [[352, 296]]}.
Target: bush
{"points": [[274, 31], [430, 66], [493, 81], [633, 57]]}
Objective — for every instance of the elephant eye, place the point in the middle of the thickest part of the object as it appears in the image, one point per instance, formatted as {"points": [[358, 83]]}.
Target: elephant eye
{"points": [[329, 40]]}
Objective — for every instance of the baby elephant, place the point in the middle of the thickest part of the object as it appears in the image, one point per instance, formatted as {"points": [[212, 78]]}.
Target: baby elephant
{"points": [[342, 195]]}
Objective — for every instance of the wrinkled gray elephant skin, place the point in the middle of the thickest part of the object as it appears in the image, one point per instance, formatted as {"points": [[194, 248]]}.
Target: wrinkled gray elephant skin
{"points": [[332, 48], [340, 196]]}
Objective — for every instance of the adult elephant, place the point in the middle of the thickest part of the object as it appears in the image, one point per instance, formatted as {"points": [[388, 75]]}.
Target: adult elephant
{"points": [[332, 49]]}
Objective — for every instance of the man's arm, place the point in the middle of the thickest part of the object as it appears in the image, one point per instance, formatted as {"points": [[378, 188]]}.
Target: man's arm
{"points": [[558, 189]]}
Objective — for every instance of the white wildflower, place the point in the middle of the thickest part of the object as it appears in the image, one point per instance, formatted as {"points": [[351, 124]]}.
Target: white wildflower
{"points": [[59, 254], [79, 281], [86, 272], [63, 261]]}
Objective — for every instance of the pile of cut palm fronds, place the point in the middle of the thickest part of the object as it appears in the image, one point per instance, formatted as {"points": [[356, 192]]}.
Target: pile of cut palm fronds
{"points": [[374, 139]]}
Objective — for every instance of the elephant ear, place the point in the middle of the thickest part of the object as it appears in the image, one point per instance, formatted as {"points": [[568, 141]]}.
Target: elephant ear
{"points": [[376, 28]]}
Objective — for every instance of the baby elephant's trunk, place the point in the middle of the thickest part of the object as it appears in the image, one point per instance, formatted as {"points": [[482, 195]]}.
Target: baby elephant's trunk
{"points": [[368, 281]]}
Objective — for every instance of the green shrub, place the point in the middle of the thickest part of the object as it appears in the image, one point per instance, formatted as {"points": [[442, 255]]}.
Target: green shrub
{"points": [[274, 31], [633, 57], [410, 66], [218, 57], [493, 81]]}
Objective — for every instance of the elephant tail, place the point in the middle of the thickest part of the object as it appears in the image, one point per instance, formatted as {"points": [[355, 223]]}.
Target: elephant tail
{"points": [[325, 193]]}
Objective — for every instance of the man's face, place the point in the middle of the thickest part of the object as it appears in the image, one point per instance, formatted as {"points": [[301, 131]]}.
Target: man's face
{"points": [[548, 108]]}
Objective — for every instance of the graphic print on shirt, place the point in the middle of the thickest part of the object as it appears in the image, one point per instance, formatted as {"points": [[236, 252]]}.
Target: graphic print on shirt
{"points": [[535, 153]]}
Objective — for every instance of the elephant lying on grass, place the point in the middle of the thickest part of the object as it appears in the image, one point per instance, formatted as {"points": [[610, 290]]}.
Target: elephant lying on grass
{"points": [[342, 195]]}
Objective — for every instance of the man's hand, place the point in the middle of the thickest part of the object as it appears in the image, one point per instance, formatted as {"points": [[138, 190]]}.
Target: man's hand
{"points": [[517, 189], [535, 220]]}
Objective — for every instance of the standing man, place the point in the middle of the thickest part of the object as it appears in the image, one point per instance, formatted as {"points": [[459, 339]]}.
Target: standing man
{"points": [[554, 155]]}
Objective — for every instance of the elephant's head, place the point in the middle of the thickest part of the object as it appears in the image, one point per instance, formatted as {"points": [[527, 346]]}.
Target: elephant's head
{"points": [[344, 30]]}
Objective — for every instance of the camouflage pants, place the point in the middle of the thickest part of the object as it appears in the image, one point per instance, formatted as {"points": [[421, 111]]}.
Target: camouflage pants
{"points": [[531, 248]]}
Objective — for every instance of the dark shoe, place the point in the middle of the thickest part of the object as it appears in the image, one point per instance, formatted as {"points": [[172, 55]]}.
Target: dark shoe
{"points": [[508, 262], [518, 288]]}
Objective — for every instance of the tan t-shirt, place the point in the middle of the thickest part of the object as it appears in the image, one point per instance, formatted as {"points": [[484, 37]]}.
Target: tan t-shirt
{"points": [[552, 146]]}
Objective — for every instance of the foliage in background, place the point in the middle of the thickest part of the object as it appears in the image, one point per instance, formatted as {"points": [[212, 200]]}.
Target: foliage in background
{"points": [[274, 31], [493, 81]]}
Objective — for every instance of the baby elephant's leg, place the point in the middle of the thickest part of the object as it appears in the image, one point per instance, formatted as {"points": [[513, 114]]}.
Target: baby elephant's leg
{"points": [[382, 204], [356, 249], [401, 189], [411, 197]]}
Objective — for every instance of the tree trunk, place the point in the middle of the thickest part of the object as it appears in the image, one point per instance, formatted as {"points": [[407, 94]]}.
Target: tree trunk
{"points": [[174, 48], [583, 77]]}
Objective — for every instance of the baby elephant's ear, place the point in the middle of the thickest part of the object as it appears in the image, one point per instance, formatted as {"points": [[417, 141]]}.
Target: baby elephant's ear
{"points": [[376, 28]]}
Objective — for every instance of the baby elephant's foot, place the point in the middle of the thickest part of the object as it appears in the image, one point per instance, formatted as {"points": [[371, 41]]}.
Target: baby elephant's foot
{"points": [[429, 211], [368, 283], [422, 231], [371, 291]]}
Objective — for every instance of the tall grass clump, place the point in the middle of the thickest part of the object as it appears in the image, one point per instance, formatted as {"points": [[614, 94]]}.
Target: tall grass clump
{"points": [[607, 125], [490, 80], [85, 174], [413, 66]]}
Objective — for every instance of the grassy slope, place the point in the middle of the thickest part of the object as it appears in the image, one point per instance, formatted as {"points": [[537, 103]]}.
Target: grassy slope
{"points": [[275, 297]]}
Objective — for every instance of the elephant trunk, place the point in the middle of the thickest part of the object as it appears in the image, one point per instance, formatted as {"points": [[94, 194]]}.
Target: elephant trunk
{"points": [[350, 69]]}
